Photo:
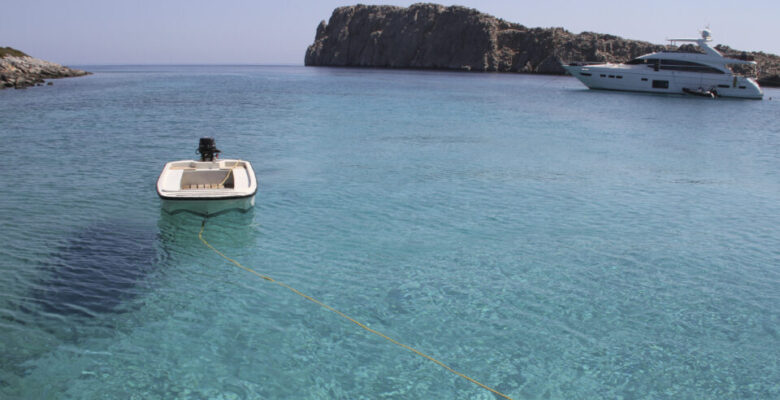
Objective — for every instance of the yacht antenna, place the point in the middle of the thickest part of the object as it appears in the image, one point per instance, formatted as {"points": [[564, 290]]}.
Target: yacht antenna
{"points": [[706, 36]]}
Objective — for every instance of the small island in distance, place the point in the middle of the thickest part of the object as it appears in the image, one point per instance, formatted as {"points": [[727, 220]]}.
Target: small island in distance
{"points": [[19, 70], [432, 36]]}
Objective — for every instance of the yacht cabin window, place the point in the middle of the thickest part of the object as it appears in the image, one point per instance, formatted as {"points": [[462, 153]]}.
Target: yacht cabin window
{"points": [[675, 65], [660, 84]]}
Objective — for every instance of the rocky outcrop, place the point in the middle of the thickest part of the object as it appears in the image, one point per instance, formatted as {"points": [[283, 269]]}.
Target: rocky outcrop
{"points": [[769, 81], [768, 64], [431, 36], [18, 70]]}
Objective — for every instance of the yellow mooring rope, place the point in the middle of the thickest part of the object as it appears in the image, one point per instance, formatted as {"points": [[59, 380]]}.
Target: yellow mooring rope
{"points": [[348, 318], [230, 171]]}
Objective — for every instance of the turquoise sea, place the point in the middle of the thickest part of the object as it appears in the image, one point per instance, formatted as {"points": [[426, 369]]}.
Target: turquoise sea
{"points": [[546, 240]]}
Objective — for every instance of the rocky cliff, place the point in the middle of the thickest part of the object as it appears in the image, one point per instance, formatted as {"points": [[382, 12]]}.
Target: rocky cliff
{"points": [[432, 36], [18, 70]]}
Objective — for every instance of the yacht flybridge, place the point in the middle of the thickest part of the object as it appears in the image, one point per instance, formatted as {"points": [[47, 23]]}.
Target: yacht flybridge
{"points": [[706, 74], [208, 186]]}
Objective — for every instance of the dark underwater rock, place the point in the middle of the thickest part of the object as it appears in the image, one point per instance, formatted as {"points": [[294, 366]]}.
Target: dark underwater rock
{"points": [[98, 268], [432, 36]]}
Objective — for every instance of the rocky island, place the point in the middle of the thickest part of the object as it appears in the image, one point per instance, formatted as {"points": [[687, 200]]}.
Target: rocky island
{"points": [[18, 70], [432, 36]]}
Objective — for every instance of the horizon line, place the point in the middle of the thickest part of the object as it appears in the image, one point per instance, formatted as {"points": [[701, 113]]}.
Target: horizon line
{"points": [[136, 64]]}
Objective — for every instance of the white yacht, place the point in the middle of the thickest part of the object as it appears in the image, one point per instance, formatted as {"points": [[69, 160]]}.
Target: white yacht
{"points": [[208, 186], [706, 74]]}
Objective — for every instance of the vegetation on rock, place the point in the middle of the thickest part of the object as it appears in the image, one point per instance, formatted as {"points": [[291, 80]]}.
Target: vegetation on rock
{"points": [[9, 51]]}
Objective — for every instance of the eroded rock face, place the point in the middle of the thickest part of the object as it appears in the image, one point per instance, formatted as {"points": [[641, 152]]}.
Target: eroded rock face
{"points": [[434, 36], [431, 36], [23, 71]]}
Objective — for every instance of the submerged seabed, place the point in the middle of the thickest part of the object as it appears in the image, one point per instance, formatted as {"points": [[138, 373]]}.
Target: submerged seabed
{"points": [[547, 240]]}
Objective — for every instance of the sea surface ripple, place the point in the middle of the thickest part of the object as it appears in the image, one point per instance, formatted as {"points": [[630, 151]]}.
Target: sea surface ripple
{"points": [[549, 241]]}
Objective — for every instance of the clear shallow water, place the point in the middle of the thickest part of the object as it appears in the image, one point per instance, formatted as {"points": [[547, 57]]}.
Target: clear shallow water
{"points": [[547, 240]]}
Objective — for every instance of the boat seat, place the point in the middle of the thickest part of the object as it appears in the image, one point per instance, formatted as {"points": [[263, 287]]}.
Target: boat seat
{"points": [[206, 186]]}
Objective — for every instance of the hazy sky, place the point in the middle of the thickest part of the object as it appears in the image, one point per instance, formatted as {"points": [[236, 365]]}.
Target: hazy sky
{"points": [[277, 32]]}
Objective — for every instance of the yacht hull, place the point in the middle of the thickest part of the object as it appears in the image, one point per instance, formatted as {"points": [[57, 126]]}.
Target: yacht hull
{"points": [[613, 77]]}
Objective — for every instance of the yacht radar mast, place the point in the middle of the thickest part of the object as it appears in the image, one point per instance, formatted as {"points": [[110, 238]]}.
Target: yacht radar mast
{"points": [[706, 36]]}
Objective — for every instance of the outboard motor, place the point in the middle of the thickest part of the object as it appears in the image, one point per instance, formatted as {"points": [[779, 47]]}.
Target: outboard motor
{"points": [[208, 149]]}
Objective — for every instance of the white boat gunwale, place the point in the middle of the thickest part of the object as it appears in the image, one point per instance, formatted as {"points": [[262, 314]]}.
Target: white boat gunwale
{"points": [[206, 194]]}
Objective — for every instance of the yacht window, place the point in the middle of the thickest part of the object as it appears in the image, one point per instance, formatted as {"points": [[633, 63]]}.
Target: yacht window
{"points": [[660, 84], [742, 87], [723, 86], [687, 66], [619, 77], [644, 79], [612, 76], [585, 74], [603, 75]]}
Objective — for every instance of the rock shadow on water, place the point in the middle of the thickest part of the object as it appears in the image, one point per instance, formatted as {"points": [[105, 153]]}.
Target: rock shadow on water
{"points": [[99, 268]]}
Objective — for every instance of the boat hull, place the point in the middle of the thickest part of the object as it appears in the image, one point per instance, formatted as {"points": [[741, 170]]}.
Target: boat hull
{"points": [[207, 187], [207, 207], [613, 77]]}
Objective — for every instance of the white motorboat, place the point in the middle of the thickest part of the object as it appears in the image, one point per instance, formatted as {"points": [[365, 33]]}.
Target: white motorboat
{"points": [[208, 186], [700, 74]]}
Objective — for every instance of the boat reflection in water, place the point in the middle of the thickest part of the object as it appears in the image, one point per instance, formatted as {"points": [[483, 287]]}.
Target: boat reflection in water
{"points": [[230, 231]]}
